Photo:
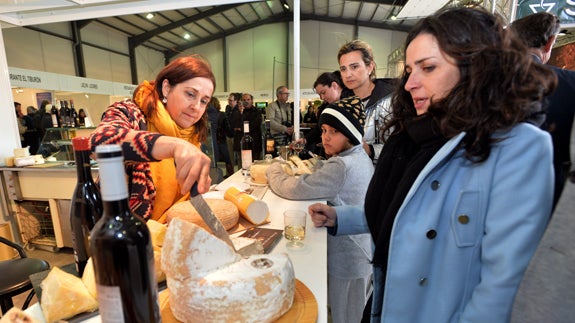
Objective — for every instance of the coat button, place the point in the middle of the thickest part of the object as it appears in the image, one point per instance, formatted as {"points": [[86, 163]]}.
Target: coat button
{"points": [[422, 281], [435, 185], [463, 219], [431, 234]]}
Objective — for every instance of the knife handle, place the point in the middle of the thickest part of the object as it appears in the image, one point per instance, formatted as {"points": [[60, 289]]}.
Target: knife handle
{"points": [[194, 190]]}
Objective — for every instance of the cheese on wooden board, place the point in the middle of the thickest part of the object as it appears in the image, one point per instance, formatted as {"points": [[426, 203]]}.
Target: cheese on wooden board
{"points": [[208, 281], [224, 210], [254, 210], [64, 295]]}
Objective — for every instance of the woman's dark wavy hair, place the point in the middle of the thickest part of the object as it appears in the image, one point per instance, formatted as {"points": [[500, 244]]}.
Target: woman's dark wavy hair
{"points": [[180, 70], [500, 84]]}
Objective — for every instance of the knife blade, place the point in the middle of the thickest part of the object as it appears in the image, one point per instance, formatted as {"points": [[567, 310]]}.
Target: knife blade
{"points": [[198, 202]]}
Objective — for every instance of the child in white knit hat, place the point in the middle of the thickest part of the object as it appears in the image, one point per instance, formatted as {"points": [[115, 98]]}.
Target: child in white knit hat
{"points": [[341, 180]]}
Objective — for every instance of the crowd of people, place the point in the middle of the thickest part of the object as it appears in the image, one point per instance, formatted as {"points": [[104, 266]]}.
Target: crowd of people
{"points": [[439, 183]]}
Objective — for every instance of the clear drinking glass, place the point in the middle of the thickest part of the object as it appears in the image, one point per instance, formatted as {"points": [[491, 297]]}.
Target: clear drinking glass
{"points": [[294, 227]]}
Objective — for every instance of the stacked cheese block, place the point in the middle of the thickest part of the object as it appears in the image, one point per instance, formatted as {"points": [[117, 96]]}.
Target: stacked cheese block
{"points": [[209, 281]]}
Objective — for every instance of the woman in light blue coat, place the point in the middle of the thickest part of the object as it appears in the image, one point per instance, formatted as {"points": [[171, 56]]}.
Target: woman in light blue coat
{"points": [[463, 188]]}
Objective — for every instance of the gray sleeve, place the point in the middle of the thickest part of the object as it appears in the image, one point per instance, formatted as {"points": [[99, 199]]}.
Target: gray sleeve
{"points": [[324, 183]]}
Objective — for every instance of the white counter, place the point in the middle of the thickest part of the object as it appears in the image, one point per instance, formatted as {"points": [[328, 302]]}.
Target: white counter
{"points": [[310, 261]]}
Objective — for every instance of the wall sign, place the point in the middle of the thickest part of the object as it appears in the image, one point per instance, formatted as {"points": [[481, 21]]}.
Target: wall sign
{"points": [[564, 9]]}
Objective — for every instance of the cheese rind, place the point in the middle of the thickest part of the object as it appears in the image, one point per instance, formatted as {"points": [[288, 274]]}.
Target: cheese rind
{"points": [[181, 256], [208, 281], [225, 211]]}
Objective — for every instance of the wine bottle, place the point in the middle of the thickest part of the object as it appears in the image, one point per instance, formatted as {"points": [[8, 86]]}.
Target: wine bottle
{"points": [[270, 140], [67, 113], [122, 249], [61, 112], [246, 144], [54, 115], [86, 208], [73, 115]]}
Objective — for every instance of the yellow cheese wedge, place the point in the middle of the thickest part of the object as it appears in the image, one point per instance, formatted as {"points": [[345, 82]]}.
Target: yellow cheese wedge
{"points": [[89, 279], [64, 295], [158, 232]]}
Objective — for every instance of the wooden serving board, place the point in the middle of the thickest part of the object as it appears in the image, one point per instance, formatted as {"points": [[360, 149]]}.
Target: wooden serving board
{"points": [[303, 310]]}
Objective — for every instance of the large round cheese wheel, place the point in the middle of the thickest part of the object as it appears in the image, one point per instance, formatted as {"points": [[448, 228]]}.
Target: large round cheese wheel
{"points": [[224, 210], [209, 282]]}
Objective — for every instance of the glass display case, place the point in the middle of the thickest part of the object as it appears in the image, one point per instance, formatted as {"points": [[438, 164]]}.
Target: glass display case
{"points": [[57, 143]]}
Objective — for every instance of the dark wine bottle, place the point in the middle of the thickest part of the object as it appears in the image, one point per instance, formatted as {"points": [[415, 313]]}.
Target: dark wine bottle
{"points": [[73, 115], [270, 140], [246, 144], [54, 116], [86, 208], [67, 114], [122, 249]]}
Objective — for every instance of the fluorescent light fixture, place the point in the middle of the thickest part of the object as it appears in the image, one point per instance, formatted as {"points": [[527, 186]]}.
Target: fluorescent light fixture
{"points": [[187, 36], [150, 15], [420, 8]]}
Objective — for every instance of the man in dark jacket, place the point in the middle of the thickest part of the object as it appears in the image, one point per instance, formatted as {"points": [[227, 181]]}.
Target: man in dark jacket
{"points": [[539, 31]]}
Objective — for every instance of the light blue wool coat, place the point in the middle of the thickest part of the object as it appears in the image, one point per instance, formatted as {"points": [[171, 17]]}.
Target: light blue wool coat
{"points": [[488, 219]]}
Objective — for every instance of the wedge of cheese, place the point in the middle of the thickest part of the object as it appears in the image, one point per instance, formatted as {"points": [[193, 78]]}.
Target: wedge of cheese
{"points": [[157, 231], [89, 279], [64, 295]]}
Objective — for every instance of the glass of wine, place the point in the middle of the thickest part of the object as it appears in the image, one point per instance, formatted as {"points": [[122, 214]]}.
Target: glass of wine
{"points": [[298, 142], [294, 227]]}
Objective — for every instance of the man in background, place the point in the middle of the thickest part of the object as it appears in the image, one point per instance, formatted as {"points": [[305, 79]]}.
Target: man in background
{"points": [[280, 115], [539, 31], [254, 117]]}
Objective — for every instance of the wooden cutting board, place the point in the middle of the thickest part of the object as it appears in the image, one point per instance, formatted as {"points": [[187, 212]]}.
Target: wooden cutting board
{"points": [[303, 310]]}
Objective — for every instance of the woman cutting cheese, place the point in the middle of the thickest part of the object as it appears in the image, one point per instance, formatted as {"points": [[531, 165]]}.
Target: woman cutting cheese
{"points": [[341, 180], [160, 131]]}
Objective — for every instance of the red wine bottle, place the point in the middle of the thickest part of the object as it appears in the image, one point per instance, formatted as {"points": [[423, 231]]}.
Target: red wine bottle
{"points": [[86, 208], [247, 145], [122, 249]]}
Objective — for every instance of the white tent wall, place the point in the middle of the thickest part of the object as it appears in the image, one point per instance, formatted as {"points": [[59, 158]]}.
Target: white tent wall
{"points": [[256, 60]]}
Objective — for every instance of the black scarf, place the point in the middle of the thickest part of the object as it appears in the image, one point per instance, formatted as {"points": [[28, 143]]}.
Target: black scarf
{"points": [[403, 157]]}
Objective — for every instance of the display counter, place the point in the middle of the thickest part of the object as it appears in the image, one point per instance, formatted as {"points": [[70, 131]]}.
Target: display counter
{"points": [[39, 198]]}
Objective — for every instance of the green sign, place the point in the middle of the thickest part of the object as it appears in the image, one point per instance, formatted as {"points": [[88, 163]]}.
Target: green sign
{"points": [[564, 9]]}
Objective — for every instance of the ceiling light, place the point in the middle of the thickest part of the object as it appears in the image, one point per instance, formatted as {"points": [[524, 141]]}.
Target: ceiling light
{"points": [[285, 4], [394, 17], [187, 36], [150, 15]]}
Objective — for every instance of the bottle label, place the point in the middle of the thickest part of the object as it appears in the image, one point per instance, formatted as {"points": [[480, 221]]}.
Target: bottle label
{"points": [[246, 159], [270, 145], [110, 300], [54, 121]]}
